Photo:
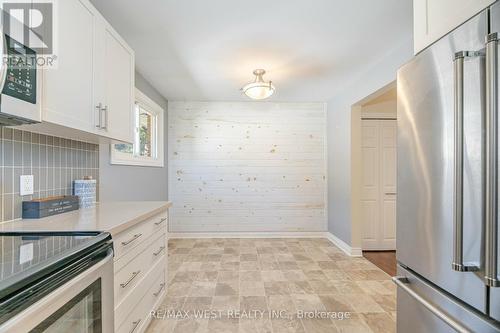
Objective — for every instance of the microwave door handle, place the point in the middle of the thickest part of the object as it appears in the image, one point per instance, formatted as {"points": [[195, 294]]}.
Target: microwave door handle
{"points": [[491, 227], [458, 189]]}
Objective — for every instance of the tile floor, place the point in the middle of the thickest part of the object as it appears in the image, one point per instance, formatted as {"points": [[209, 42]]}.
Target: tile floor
{"points": [[261, 285]]}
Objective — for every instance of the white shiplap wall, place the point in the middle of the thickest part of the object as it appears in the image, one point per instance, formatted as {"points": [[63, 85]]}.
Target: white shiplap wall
{"points": [[247, 167]]}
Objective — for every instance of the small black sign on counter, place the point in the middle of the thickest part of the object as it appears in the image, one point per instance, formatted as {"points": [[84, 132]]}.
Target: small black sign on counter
{"points": [[39, 208]]}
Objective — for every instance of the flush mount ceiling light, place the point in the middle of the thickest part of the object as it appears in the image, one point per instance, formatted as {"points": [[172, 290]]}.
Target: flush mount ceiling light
{"points": [[259, 89]]}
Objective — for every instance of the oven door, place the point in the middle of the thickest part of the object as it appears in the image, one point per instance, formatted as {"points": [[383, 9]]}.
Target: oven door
{"points": [[84, 304]]}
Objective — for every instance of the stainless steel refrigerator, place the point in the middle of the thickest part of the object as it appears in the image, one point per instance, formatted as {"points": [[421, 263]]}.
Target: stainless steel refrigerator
{"points": [[448, 182]]}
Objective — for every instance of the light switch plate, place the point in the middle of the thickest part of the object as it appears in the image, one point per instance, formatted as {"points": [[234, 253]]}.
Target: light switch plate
{"points": [[26, 185]]}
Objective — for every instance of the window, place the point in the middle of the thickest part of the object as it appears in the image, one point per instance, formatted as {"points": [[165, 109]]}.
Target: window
{"points": [[147, 149]]}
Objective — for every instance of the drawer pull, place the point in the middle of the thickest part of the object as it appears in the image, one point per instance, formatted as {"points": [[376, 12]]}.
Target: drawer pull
{"points": [[126, 283], [135, 324], [131, 240], [161, 221], [159, 291], [160, 250]]}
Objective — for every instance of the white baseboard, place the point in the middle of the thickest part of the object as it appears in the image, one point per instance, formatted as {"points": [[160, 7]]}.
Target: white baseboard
{"points": [[347, 249], [291, 234], [350, 251]]}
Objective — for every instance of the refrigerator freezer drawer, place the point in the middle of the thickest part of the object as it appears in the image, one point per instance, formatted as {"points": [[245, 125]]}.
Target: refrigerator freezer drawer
{"points": [[420, 306]]}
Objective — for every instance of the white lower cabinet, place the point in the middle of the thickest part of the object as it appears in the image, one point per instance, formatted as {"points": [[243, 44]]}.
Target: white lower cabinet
{"points": [[140, 270]]}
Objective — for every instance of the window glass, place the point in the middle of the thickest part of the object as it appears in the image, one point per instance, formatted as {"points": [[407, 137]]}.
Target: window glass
{"points": [[146, 123]]}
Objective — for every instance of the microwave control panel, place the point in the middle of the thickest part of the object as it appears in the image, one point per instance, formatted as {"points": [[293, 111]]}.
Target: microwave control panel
{"points": [[20, 81]]}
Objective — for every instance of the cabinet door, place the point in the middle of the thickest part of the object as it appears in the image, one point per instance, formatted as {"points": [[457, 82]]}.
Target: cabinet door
{"points": [[68, 89], [116, 85], [432, 19]]}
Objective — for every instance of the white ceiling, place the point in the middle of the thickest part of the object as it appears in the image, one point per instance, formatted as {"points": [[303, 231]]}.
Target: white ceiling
{"points": [[207, 49]]}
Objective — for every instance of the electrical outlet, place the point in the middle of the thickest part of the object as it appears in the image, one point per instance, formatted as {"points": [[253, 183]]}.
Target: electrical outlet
{"points": [[26, 185]]}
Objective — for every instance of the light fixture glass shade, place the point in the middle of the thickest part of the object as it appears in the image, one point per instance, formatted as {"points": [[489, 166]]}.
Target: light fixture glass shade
{"points": [[259, 89]]}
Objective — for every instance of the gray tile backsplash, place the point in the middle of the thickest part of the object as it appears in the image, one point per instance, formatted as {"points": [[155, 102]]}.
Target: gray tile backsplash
{"points": [[54, 162]]}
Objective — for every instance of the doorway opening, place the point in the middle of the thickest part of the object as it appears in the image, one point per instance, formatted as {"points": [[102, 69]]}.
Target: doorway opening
{"points": [[374, 194]]}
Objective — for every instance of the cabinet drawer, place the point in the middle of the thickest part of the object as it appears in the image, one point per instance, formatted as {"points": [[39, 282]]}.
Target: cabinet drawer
{"points": [[138, 318], [129, 239], [127, 278]]}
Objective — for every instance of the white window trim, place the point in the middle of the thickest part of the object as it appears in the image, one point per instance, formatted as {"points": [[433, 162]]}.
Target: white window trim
{"points": [[132, 159]]}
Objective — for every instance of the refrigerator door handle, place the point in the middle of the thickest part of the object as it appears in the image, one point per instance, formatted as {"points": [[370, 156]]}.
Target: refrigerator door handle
{"points": [[491, 227], [458, 221], [404, 283]]}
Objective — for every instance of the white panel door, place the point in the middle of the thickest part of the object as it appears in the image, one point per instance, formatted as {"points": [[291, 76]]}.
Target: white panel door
{"points": [[378, 195], [68, 89]]}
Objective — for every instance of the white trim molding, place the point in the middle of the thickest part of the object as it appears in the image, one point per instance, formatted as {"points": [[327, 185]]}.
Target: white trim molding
{"points": [[350, 251], [291, 234], [347, 249]]}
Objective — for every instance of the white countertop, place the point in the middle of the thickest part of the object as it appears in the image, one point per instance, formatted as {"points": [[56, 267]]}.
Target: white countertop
{"points": [[113, 217]]}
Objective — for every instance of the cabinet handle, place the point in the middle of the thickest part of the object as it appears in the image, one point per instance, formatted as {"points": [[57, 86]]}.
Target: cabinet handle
{"points": [[131, 240], [99, 112], [135, 324], [104, 110], [161, 221], [159, 251], [159, 290], [126, 283]]}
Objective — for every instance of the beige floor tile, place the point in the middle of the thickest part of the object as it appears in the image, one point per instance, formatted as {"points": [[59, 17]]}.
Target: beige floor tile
{"points": [[250, 276], [256, 325], [178, 289], [197, 303], [364, 303], [319, 325], [282, 303], [226, 276], [308, 302], [380, 322], [336, 303], [273, 275], [276, 274], [228, 288], [249, 266], [287, 325], [252, 288], [352, 326], [300, 287], [199, 288], [223, 325], [276, 288], [253, 303], [226, 303], [190, 325], [294, 275]]}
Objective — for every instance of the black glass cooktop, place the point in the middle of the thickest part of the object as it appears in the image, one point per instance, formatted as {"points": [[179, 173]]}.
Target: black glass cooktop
{"points": [[24, 257]]}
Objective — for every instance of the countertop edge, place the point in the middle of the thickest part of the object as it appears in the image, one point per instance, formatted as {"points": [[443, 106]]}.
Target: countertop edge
{"points": [[138, 219]]}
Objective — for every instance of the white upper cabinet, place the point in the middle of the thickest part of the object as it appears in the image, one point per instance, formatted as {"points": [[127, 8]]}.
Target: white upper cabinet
{"points": [[92, 88], [68, 89], [115, 86], [432, 19]]}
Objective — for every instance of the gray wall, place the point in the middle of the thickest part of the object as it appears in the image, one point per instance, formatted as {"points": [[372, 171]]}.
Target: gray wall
{"points": [[378, 75], [125, 183]]}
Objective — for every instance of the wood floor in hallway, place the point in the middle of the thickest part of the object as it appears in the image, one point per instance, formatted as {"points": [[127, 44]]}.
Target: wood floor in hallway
{"points": [[385, 260]]}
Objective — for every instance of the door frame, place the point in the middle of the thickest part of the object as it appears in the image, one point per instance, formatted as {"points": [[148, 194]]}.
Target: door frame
{"points": [[356, 160]]}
